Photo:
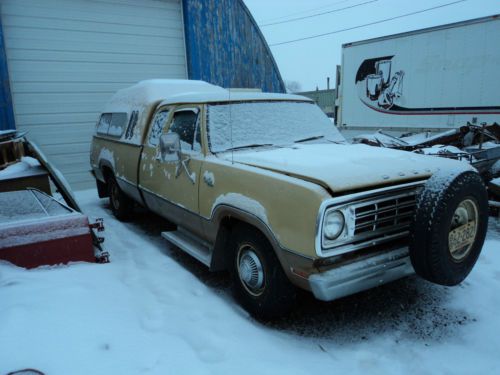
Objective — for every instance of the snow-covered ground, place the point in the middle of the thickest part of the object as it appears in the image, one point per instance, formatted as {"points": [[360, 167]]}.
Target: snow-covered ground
{"points": [[154, 310]]}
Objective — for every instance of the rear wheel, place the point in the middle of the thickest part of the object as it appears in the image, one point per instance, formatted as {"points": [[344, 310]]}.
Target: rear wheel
{"points": [[259, 282], [120, 204]]}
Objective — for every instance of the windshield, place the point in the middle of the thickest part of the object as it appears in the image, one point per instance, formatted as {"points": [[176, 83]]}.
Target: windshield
{"points": [[240, 125]]}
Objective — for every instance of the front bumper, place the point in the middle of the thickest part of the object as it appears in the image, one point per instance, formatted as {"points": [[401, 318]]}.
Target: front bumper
{"points": [[361, 275]]}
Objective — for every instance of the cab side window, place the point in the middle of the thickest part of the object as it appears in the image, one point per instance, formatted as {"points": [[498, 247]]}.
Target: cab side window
{"points": [[186, 123], [157, 128], [112, 124], [118, 123], [103, 124]]}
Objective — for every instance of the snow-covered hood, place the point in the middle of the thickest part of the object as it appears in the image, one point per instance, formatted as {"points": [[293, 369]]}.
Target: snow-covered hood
{"points": [[344, 167]]}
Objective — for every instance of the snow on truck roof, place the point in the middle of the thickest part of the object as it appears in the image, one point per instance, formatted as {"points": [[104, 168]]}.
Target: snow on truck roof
{"points": [[178, 91]]}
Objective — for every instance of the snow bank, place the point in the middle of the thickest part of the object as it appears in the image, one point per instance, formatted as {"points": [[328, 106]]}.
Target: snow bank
{"points": [[154, 310]]}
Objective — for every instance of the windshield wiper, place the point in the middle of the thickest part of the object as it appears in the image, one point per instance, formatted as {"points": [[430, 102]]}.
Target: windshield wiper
{"points": [[249, 146], [310, 138]]}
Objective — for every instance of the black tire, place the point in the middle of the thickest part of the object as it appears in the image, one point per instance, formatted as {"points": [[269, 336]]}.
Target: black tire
{"points": [[445, 204], [120, 204], [274, 296]]}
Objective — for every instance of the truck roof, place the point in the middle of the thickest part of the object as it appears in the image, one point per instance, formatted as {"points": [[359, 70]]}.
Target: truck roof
{"points": [[230, 96], [177, 91]]}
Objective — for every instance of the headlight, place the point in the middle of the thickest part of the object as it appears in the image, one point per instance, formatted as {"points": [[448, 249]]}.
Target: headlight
{"points": [[333, 225]]}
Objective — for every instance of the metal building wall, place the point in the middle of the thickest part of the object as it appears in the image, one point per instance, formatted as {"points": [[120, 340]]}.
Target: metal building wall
{"points": [[224, 46], [6, 112], [67, 57]]}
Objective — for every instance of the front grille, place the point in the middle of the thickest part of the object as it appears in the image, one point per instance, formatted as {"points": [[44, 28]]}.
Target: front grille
{"points": [[385, 214], [373, 218]]}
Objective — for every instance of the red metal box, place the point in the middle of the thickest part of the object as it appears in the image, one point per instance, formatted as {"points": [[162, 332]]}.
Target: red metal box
{"points": [[36, 230]]}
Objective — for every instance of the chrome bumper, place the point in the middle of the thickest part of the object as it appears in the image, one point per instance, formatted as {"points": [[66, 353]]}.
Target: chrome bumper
{"points": [[361, 275]]}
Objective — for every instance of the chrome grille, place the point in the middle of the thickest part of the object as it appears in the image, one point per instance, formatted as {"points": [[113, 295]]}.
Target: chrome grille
{"points": [[372, 218], [385, 214]]}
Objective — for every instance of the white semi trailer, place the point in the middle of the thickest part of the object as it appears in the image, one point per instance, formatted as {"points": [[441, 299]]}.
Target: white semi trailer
{"points": [[431, 79]]}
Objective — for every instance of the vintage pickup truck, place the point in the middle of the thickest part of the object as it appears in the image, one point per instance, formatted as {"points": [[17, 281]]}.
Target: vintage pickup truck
{"points": [[265, 186]]}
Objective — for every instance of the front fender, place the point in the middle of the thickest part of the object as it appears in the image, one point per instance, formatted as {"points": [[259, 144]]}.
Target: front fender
{"points": [[225, 220]]}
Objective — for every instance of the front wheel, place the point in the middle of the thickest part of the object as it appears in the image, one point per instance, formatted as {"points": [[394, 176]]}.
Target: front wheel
{"points": [[259, 282]]}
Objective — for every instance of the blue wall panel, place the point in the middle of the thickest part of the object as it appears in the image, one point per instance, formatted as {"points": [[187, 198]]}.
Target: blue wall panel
{"points": [[6, 113], [225, 47]]}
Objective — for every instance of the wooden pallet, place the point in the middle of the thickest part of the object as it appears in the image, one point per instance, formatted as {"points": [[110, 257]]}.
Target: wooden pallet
{"points": [[11, 152]]}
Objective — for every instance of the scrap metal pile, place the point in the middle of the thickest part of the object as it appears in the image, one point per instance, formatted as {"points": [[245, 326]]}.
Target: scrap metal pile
{"points": [[477, 145], [40, 221]]}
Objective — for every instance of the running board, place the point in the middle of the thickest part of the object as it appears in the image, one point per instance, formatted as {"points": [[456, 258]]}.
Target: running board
{"points": [[189, 244]]}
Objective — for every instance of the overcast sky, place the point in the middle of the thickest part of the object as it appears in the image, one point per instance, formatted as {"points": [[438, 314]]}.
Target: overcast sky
{"points": [[309, 62]]}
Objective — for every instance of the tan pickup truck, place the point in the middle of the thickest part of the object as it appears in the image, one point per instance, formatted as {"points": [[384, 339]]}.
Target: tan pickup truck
{"points": [[265, 186]]}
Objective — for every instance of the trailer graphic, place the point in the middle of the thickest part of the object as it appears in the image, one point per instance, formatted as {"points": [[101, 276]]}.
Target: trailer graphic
{"points": [[430, 79], [380, 90]]}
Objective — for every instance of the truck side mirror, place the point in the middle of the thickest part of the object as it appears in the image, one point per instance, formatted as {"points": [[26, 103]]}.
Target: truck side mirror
{"points": [[170, 147]]}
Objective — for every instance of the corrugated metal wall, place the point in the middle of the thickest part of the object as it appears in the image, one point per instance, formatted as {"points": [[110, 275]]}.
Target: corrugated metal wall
{"points": [[67, 57], [225, 46], [6, 112]]}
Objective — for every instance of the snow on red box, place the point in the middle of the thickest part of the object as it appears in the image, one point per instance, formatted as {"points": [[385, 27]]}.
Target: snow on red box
{"points": [[37, 230]]}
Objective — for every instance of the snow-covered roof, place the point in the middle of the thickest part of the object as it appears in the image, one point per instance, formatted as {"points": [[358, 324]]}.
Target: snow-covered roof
{"points": [[177, 91], [229, 96]]}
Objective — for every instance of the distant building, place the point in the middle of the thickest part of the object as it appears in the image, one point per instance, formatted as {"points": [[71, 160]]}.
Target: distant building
{"points": [[325, 99]]}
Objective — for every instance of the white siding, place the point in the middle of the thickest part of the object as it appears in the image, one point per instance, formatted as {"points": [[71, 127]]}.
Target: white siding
{"points": [[67, 57]]}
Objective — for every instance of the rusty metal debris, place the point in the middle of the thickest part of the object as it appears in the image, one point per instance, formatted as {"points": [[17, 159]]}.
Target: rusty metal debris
{"points": [[479, 145]]}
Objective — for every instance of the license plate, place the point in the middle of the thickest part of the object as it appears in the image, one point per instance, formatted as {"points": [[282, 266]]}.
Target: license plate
{"points": [[462, 236]]}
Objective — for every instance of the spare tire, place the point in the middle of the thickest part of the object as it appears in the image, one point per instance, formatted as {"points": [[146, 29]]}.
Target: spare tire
{"points": [[449, 226]]}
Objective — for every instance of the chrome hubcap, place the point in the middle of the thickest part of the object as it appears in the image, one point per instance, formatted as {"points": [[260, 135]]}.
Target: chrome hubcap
{"points": [[463, 229], [250, 270]]}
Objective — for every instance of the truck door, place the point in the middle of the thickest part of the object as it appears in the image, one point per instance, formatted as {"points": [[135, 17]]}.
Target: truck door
{"points": [[171, 188]]}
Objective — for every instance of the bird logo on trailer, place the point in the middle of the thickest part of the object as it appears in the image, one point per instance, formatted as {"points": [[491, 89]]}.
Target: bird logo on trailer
{"points": [[378, 88]]}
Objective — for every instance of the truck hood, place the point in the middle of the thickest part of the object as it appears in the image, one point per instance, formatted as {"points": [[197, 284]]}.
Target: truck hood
{"points": [[341, 168]]}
